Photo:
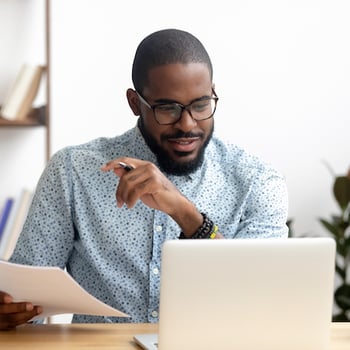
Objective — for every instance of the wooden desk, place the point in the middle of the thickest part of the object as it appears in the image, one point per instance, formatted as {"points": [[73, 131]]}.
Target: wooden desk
{"points": [[108, 336]]}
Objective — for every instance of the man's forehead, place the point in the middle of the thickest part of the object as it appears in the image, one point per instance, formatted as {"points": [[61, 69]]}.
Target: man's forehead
{"points": [[177, 79]]}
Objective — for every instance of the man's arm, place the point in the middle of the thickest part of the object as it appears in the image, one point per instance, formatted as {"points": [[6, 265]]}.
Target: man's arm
{"points": [[142, 180]]}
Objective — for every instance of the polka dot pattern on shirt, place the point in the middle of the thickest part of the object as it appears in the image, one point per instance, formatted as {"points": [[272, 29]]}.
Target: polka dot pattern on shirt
{"points": [[114, 253]]}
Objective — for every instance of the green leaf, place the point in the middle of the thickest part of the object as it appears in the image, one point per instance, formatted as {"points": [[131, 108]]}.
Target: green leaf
{"points": [[341, 190], [340, 317], [340, 272], [342, 297], [330, 227], [341, 249], [347, 243]]}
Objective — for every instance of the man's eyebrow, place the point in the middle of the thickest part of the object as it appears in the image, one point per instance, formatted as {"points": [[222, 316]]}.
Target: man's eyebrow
{"points": [[166, 100]]}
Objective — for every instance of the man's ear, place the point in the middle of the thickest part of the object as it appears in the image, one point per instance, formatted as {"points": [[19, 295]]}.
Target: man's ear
{"points": [[133, 101]]}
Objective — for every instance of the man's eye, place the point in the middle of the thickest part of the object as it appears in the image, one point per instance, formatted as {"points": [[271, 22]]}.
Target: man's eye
{"points": [[201, 105], [167, 108]]}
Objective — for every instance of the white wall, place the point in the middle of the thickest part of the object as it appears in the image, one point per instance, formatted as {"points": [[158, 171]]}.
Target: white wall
{"points": [[281, 70]]}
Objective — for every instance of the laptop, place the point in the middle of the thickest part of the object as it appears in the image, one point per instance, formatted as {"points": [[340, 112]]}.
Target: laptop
{"points": [[266, 294]]}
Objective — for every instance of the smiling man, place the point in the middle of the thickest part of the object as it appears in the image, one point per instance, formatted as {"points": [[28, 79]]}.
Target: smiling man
{"points": [[103, 209]]}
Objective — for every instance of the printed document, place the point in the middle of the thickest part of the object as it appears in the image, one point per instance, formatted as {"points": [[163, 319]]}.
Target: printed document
{"points": [[52, 288]]}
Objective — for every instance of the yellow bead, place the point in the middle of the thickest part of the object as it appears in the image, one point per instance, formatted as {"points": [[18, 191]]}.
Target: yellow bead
{"points": [[213, 234]]}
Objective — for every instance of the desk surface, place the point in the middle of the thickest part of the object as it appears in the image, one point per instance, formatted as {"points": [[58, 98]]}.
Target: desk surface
{"points": [[108, 336]]}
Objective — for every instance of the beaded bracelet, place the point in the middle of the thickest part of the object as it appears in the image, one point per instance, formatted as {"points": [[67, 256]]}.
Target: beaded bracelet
{"points": [[207, 230], [214, 233]]}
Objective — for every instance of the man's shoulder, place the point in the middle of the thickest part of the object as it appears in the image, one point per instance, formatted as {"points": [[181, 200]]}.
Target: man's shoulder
{"points": [[230, 152], [237, 159], [104, 145]]}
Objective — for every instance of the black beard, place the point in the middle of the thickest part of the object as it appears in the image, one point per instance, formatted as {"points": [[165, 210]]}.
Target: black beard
{"points": [[166, 163]]}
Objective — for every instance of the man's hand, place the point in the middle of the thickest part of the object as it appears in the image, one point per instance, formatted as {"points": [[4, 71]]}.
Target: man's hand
{"points": [[14, 314], [143, 182]]}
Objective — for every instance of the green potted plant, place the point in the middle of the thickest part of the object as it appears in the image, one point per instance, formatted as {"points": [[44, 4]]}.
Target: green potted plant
{"points": [[339, 228]]}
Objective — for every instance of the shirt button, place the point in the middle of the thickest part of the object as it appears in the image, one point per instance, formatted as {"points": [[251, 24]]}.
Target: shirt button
{"points": [[159, 228], [154, 313], [155, 271]]}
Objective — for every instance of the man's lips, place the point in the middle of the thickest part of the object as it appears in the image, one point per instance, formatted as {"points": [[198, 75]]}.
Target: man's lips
{"points": [[187, 144]]}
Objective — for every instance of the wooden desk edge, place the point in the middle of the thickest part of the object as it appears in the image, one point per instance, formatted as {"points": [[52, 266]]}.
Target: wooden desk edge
{"points": [[110, 336]]}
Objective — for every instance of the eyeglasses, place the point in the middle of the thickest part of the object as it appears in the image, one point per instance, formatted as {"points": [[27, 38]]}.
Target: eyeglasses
{"points": [[170, 113]]}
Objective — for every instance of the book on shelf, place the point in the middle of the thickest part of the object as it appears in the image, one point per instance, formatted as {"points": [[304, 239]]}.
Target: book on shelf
{"points": [[15, 223], [4, 215], [19, 100]]}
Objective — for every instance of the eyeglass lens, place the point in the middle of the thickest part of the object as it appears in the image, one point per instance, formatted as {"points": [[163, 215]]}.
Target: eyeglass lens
{"points": [[172, 112]]}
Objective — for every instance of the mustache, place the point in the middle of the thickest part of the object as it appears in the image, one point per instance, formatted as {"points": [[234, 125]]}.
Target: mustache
{"points": [[180, 134]]}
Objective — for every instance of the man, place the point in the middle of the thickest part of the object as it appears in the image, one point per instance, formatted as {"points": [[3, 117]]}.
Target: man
{"points": [[103, 209]]}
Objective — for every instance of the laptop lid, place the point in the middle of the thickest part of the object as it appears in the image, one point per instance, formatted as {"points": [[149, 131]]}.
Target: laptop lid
{"points": [[267, 294]]}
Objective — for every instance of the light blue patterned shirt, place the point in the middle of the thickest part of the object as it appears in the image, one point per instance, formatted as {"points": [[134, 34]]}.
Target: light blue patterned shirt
{"points": [[114, 253]]}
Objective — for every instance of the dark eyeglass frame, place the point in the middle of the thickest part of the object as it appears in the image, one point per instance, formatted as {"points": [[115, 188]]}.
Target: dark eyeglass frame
{"points": [[215, 98]]}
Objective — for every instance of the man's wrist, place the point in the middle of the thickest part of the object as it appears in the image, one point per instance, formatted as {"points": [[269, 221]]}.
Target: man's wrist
{"points": [[194, 224], [207, 230], [187, 217]]}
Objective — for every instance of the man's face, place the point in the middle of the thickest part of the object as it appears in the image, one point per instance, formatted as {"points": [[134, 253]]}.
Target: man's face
{"points": [[179, 147]]}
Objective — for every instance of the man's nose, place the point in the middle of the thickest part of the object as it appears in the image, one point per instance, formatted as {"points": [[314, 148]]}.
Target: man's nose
{"points": [[186, 122]]}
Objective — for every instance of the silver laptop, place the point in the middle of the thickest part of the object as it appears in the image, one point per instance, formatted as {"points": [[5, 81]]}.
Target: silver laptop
{"points": [[266, 294]]}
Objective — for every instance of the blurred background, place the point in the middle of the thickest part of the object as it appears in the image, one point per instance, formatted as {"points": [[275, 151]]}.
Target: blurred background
{"points": [[281, 70]]}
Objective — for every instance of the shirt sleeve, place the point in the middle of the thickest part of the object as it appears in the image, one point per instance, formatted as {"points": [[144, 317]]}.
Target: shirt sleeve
{"points": [[266, 208], [48, 234]]}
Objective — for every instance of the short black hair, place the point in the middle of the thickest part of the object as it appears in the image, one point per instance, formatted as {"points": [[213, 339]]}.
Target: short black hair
{"points": [[165, 47]]}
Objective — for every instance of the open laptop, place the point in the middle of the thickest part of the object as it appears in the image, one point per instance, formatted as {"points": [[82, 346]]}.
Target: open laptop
{"points": [[266, 294]]}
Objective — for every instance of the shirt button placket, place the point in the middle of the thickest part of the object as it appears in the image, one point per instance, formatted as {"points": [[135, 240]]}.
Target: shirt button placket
{"points": [[154, 270]]}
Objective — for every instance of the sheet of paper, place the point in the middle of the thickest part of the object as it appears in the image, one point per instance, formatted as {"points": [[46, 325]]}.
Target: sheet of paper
{"points": [[52, 288]]}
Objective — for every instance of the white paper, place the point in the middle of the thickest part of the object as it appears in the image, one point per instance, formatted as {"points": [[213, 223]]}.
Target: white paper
{"points": [[53, 289]]}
